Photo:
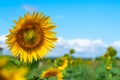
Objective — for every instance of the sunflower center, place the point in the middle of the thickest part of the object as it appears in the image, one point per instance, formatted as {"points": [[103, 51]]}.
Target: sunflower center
{"points": [[29, 36], [52, 73], [2, 77]]}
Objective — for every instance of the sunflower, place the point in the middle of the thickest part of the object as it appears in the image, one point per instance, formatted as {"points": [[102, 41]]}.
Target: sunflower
{"points": [[108, 68], [52, 72], [3, 61], [62, 63], [31, 37], [13, 74]]}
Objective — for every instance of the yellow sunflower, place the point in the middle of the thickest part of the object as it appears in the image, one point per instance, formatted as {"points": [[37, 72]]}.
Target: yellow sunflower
{"points": [[3, 61], [62, 63], [52, 72], [108, 67], [13, 74], [31, 37]]}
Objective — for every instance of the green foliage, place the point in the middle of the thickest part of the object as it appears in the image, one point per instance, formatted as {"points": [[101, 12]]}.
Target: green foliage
{"points": [[105, 68]]}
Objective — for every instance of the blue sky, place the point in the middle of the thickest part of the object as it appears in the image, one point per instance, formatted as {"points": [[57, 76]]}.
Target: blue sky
{"points": [[94, 20], [75, 18]]}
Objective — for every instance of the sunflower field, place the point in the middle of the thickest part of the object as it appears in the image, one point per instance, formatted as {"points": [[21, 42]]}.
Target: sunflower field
{"points": [[32, 38]]}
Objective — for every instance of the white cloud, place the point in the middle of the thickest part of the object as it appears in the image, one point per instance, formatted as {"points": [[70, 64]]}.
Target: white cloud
{"points": [[2, 38], [2, 41], [83, 47], [116, 45], [3, 45], [29, 8]]}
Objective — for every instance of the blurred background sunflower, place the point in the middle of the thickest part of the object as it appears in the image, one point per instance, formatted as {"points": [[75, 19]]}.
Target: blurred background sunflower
{"points": [[61, 63], [13, 74], [52, 72]]}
